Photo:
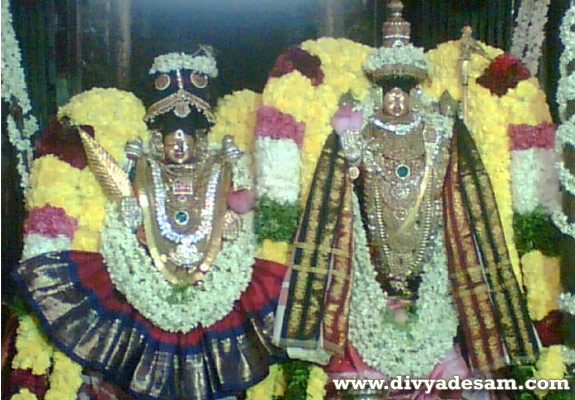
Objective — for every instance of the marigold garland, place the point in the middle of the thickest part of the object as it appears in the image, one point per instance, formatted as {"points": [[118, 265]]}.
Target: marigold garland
{"points": [[236, 115], [543, 282], [33, 349], [489, 117]]}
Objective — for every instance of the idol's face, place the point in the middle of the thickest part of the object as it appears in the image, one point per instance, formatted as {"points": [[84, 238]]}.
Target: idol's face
{"points": [[178, 147], [396, 103]]}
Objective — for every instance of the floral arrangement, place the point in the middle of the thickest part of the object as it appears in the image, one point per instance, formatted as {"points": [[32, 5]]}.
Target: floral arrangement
{"points": [[504, 73], [566, 132], [205, 64], [411, 347], [115, 117], [295, 58], [134, 275], [34, 359], [293, 122], [529, 32], [15, 94]]}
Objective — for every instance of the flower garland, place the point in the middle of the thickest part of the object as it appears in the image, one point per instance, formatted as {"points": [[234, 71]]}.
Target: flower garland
{"points": [[416, 348], [15, 93], [529, 32], [294, 99], [36, 353], [134, 275], [166, 63], [390, 56], [544, 273], [565, 135], [567, 303]]}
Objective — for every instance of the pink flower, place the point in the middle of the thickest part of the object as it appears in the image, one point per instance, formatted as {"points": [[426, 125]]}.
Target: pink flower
{"points": [[273, 123], [241, 201], [50, 221], [524, 136], [346, 119]]}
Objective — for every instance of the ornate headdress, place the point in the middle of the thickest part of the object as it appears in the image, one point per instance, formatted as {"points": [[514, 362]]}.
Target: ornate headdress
{"points": [[185, 78], [397, 57]]}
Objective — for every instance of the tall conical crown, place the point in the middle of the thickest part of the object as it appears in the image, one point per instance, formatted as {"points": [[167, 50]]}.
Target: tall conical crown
{"points": [[397, 56], [396, 29]]}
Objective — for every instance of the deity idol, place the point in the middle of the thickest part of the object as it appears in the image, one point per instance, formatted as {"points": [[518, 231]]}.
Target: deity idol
{"points": [[174, 306], [400, 251]]}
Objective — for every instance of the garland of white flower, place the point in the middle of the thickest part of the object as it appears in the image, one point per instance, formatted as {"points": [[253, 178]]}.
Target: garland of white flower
{"points": [[14, 92], [278, 169], [36, 244], [567, 302], [565, 134], [414, 350], [529, 33], [173, 61], [133, 273]]}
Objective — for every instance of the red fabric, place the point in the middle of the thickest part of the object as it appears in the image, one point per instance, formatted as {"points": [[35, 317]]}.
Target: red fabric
{"points": [[265, 285]]}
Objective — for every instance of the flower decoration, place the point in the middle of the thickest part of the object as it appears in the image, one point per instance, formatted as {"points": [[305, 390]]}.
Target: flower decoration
{"points": [[273, 123], [543, 281], [549, 366], [63, 142], [549, 330], [24, 394], [27, 381], [236, 113], [504, 73], [295, 58], [50, 221], [525, 136], [21, 123]]}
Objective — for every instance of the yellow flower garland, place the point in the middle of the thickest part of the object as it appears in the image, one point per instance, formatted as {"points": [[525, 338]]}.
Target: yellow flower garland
{"points": [[543, 282], [549, 366], [24, 394], [293, 93], [272, 386], [65, 379], [116, 117], [489, 117], [32, 348], [236, 115]]}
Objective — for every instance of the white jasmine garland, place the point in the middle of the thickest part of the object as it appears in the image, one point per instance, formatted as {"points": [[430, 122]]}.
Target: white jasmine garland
{"points": [[567, 302], [173, 61], [534, 180], [278, 169], [133, 273], [427, 338], [36, 244], [565, 134], [15, 92], [529, 33], [396, 55], [568, 355]]}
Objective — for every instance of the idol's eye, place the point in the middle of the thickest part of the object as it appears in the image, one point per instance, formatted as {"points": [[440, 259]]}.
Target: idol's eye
{"points": [[199, 80], [162, 82]]}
